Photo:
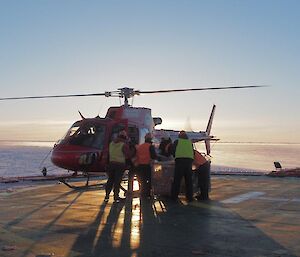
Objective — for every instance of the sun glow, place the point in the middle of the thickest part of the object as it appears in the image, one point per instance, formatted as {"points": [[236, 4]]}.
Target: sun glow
{"points": [[136, 222], [136, 185]]}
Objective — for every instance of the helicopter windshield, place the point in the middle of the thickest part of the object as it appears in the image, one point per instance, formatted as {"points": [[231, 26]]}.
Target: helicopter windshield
{"points": [[72, 131], [87, 135]]}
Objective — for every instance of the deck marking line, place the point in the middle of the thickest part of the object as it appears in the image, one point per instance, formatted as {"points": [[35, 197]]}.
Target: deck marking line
{"points": [[279, 199], [243, 197]]}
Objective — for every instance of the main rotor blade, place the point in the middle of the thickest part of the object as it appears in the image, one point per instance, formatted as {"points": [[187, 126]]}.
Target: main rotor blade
{"points": [[196, 89], [49, 96], [136, 92]]}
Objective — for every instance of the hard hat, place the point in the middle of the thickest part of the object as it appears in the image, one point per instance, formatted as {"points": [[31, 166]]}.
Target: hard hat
{"points": [[182, 134], [122, 134]]}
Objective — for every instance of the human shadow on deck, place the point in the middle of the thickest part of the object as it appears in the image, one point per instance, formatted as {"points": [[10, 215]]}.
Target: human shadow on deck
{"points": [[142, 228], [27, 215], [38, 235]]}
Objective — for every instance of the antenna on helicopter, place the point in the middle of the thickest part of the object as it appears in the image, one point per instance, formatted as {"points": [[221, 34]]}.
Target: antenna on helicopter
{"points": [[82, 117]]}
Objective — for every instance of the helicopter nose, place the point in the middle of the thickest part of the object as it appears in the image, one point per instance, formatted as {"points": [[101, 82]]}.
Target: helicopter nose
{"points": [[74, 158]]}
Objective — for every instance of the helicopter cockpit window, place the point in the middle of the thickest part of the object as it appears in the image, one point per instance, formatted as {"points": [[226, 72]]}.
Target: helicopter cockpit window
{"points": [[71, 131], [89, 135], [98, 137]]}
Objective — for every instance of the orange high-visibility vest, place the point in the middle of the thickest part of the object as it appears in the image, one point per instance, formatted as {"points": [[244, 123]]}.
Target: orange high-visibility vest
{"points": [[198, 159], [143, 154]]}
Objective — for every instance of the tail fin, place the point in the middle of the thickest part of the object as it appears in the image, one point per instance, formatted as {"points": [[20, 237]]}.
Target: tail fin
{"points": [[208, 129], [209, 124]]}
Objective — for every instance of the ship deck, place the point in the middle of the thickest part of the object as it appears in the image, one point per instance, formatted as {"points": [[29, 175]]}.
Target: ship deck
{"points": [[247, 216]]}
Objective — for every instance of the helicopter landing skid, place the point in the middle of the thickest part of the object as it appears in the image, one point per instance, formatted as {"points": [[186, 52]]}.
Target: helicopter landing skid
{"points": [[82, 187], [87, 186]]}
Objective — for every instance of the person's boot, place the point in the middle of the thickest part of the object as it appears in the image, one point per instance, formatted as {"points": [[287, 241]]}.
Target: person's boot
{"points": [[117, 199], [106, 198]]}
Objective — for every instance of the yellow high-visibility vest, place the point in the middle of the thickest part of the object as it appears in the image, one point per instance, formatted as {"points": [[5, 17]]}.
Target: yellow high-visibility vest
{"points": [[116, 152], [184, 149]]}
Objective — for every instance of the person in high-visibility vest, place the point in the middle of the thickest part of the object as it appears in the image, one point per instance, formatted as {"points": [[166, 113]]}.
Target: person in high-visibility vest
{"points": [[145, 153], [118, 153], [184, 154]]}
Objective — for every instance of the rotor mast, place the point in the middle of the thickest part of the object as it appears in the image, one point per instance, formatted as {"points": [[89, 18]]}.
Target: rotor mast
{"points": [[124, 92]]}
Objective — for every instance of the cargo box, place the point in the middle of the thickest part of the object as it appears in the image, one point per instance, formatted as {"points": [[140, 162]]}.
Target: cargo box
{"points": [[163, 176]]}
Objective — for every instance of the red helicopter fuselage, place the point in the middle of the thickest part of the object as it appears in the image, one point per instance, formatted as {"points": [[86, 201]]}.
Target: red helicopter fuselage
{"points": [[85, 145]]}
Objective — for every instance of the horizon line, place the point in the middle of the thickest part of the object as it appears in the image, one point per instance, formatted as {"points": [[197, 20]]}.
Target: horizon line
{"points": [[220, 142]]}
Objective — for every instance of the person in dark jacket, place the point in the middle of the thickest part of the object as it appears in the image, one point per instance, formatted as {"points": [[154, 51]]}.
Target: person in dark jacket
{"points": [[145, 153], [165, 146], [202, 166], [118, 153], [184, 154]]}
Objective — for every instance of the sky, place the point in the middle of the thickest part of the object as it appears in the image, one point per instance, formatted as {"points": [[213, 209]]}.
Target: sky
{"points": [[73, 47]]}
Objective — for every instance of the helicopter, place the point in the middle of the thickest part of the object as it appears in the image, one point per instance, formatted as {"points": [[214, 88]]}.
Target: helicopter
{"points": [[84, 148]]}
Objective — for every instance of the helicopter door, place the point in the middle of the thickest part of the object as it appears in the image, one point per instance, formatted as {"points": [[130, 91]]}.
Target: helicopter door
{"points": [[133, 134]]}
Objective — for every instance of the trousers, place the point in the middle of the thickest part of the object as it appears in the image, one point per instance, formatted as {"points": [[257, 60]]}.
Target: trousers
{"points": [[115, 174], [144, 177], [183, 168]]}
